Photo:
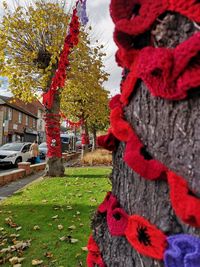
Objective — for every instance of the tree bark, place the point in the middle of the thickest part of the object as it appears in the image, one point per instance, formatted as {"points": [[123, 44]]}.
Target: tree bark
{"points": [[94, 141], [170, 131], [55, 165]]}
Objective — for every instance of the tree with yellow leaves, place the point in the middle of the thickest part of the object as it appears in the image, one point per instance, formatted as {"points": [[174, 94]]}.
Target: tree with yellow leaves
{"points": [[31, 41]]}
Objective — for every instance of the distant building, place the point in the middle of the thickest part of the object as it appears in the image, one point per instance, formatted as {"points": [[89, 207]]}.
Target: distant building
{"points": [[20, 121]]}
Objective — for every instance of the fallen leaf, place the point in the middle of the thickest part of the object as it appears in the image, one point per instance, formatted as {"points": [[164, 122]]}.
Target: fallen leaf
{"points": [[37, 262], [84, 248], [73, 240], [48, 254], [18, 228], [60, 227], [36, 227], [55, 217], [72, 227]]}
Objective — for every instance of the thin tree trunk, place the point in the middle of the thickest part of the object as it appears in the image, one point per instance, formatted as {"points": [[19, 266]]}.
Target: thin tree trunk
{"points": [[170, 131], [94, 141], [55, 167]]}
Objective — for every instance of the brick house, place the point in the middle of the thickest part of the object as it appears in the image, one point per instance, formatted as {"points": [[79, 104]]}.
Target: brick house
{"points": [[19, 121]]}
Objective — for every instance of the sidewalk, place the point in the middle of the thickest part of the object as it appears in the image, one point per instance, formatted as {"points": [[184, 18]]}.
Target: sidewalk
{"points": [[11, 188]]}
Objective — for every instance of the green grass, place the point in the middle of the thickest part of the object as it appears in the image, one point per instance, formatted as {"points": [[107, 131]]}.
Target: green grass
{"points": [[73, 199]]}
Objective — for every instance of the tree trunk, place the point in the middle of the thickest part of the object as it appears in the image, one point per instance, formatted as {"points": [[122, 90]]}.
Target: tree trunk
{"points": [[84, 150], [94, 141], [170, 131], [55, 167]]}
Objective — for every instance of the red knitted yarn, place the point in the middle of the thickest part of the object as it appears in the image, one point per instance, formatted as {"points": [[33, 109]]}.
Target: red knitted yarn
{"points": [[94, 257], [141, 162], [119, 127], [107, 141], [126, 58], [120, 9], [53, 135], [170, 73], [115, 102], [146, 238], [105, 204], [117, 220], [184, 202]]}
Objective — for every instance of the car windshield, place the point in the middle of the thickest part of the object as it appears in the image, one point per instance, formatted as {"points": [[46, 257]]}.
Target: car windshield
{"points": [[43, 145], [65, 139], [12, 147]]}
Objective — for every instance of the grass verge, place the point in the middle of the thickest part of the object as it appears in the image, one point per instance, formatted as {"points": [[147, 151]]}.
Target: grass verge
{"points": [[55, 215]]}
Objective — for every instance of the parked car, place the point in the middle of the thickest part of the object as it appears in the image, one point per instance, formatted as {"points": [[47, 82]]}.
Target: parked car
{"points": [[79, 145], [13, 153], [43, 150]]}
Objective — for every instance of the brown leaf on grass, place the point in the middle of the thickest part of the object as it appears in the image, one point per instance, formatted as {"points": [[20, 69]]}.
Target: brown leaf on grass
{"points": [[36, 227], [60, 227], [48, 254], [10, 222], [37, 262], [72, 227], [54, 217], [84, 248], [15, 260], [18, 228]]}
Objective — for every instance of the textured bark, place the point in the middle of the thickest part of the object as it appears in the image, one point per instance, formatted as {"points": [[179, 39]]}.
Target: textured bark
{"points": [[55, 165], [94, 141], [170, 131]]}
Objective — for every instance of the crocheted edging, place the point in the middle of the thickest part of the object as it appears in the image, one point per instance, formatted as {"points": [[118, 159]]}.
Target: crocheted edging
{"points": [[167, 73], [137, 17]]}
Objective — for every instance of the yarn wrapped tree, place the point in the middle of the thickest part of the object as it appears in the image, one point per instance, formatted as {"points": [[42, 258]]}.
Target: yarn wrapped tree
{"points": [[151, 218]]}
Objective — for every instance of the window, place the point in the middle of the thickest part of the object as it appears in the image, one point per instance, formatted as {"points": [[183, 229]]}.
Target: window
{"points": [[27, 120], [20, 117], [9, 114], [34, 123]]}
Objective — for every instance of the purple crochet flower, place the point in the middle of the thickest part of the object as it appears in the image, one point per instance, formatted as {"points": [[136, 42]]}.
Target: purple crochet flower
{"points": [[82, 12], [183, 251]]}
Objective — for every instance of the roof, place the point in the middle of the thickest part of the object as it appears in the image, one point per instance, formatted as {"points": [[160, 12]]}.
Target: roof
{"points": [[27, 108]]}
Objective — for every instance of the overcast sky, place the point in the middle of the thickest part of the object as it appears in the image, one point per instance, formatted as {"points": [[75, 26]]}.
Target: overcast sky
{"points": [[99, 19]]}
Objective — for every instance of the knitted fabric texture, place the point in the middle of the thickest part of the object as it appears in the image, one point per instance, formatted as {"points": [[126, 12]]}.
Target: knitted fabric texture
{"points": [[141, 162], [183, 251], [94, 256], [117, 220], [184, 202], [103, 207], [137, 16], [108, 141], [146, 238], [168, 73]]}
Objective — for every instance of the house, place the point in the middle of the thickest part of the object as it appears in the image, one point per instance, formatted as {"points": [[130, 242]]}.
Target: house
{"points": [[19, 120]]}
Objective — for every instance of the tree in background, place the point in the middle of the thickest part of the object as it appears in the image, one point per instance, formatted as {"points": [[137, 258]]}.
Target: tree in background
{"points": [[84, 97], [31, 40]]}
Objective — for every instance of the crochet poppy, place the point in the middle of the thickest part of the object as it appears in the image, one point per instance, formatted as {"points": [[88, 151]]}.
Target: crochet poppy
{"points": [[138, 159], [183, 251], [146, 238], [94, 256], [119, 127], [107, 141], [117, 220], [115, 102], [184, 202]]}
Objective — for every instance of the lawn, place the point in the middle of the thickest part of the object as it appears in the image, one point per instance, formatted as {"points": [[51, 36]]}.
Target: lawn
{"points": [[55, 215]]}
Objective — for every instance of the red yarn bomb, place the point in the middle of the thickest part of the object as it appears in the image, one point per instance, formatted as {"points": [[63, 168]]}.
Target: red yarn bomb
{"points": [[107, 141], [94, 257], [138, 159], [85, 139], [117, 220], [184, 202], [146, 238], [103, 207]]}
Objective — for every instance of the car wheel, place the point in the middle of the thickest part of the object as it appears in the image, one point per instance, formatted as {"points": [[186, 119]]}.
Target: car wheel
{"points": [[18, 160]]}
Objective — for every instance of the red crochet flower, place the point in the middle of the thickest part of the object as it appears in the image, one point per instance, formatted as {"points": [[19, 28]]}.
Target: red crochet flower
{"points": [[146, 238], [117, 220], [115, 102], [184, 202], [107, 141], [141, 162], [105, 204], [94, 257]]}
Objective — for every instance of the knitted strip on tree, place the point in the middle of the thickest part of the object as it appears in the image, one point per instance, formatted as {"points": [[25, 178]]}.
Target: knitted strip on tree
{"points": [[184, 202], [146, 238], [183, 251], [117, 220], [59, 78], [103, 207], [107, 141], [137, 16], [52, 124], [70, 123], [168, 73], [135, 156], [94, 256]]}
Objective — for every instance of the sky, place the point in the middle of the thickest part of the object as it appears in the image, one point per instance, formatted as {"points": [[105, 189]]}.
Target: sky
{"points": [[99, 19]]}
